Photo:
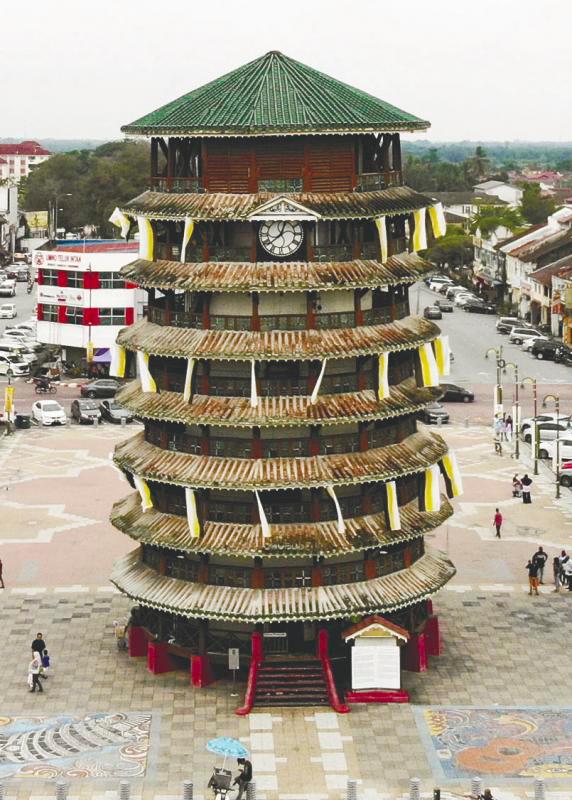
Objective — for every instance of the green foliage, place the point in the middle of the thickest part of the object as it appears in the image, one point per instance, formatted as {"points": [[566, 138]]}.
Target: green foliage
{"points": [[430, 175], [489, 218], [97, 180], [454, 249], [535, 208], [504, 155]]}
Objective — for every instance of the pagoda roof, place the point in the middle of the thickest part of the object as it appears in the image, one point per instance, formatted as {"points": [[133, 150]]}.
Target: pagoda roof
{"points": [[273, 95], [198, 600], [213, 206], [412, 455], [162, 340], [277, 276], [276, 412], [171, 531]]}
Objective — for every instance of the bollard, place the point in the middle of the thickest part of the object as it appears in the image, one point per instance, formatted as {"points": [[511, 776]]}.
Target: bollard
{"points": [[124, 790], [466, 422], [351, 791], [251, 790], [123, 422], [476, 787], [1, 791], [436, 794], [187, 790], [414, 786], [61, 790], [539, 789]]}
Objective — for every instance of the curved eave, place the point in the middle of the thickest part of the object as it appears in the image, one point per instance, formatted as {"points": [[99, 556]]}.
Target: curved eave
{"points": [[253, 130], [414, 454], [276, 412], [291, 276], [171, 532], [162, 340], [194, 600], [213, 206]]}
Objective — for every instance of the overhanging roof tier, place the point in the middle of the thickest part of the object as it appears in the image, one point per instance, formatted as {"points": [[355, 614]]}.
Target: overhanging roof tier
{"points": [[412, 455], [214, 206], [267, 276], [312, 539], [276, 412], [162, 340], [196, 600], [274, 95]]}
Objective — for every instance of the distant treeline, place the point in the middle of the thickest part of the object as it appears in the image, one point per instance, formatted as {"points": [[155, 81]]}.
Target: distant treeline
{"points": [[503, 155]]}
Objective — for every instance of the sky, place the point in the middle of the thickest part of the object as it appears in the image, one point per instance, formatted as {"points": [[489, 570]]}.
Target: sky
{"points": [[485, 69]]}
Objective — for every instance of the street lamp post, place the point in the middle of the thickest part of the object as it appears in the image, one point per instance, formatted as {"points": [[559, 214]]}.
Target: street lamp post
{"points": [[556, 399], [55, 211], [535, 424], [516, 407], [501, 364]]}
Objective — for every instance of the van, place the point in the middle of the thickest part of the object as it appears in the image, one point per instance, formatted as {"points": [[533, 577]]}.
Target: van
{"points": [[506, 324]]}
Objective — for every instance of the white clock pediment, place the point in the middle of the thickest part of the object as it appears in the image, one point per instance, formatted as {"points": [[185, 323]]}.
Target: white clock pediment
{"points": [[283, 208]]}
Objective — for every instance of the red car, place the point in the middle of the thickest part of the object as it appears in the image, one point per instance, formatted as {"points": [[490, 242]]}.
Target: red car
{"points": [[566, 474]]}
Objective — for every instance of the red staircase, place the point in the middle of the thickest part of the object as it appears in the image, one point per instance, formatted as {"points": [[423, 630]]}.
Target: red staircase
{"points": [[291, 683]]}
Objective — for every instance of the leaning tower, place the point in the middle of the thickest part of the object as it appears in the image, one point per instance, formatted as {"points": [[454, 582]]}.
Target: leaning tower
{"points": [[281, 485]]}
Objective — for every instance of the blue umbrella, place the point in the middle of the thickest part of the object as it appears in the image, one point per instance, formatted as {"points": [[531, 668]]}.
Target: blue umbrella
{"points": [[225, 746]]}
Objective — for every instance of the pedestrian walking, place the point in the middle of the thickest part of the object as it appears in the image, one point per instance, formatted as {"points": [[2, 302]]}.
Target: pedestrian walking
{"points": [[526, 484], [563, 559], [504, 435], [556, 570], [516, 487], [1, 578], [497, 522], [532, 577], [45, 662], [568, 574], [541, 558], [34, 670], [498, 444], [38, 647], [508, 424]]}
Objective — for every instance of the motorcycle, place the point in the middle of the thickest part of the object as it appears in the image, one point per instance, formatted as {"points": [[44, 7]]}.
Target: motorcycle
{"points": [[43, 386], [563, 356], [30, 288]]}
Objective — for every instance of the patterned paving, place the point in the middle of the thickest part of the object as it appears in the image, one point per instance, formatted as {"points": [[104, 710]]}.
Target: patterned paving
{"points": [[497, 743], [91, 746]]}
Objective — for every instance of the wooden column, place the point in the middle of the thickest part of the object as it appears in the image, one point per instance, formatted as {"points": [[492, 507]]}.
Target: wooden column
{"points": [[361, 377], [369, 566], [205, 377], [363, 436], [162, 565], [314, 443], [154, 158], [203, 572], [205, 443], [317, 578], [315, 510], [397, 165], [313, 373], [256, 447], [206, 321], [255, 319], [171, 155], [311, 301], [358, 313], [257, 580], [393, 304], [366, 503]]}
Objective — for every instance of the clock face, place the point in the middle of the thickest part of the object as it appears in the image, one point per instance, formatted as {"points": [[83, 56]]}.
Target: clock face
{"points": [[281, 238]]}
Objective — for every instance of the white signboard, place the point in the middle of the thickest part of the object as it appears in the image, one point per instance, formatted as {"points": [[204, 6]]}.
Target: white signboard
{"points": [[61, 295], [233, 658], [376, 667]]}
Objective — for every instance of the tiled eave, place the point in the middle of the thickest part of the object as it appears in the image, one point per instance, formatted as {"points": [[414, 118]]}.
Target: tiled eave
{"points": [[213, 206], [160, 340], [201, 601], [171, 532], [276, 412], [292, 276], [412, 455]]}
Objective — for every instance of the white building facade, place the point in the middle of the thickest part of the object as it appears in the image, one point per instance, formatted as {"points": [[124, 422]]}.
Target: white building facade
{"points": [[21, 158], [83, 301]]}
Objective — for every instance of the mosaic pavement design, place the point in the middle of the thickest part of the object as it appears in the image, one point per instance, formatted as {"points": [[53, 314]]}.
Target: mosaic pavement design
{"points": [[90, 746], [498, 743]]}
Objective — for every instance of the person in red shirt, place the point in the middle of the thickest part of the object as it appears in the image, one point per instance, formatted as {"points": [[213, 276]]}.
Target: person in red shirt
{"points": [[1, 578], [498, 522]]}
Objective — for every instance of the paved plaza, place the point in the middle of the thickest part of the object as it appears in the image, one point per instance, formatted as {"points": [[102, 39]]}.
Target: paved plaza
{"points": [[497, 703]]}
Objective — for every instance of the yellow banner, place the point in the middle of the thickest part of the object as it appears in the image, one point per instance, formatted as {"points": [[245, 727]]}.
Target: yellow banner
{"points": [[8, 400]]}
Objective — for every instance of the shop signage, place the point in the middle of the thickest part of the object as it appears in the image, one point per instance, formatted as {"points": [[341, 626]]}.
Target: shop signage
{"points": [[61, 295]]}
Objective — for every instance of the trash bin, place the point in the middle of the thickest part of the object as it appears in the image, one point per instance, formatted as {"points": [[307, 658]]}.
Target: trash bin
{"points": [[23, 421]]}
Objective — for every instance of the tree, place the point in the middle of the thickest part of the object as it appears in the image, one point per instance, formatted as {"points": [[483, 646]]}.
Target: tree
{"points": [[478, 165], [489, 218], [534, 207], [454, 249], [88, 184]]}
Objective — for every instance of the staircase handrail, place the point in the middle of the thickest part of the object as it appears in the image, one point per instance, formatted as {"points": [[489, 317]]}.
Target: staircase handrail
{"points": [[250, 693], [333, 697]]}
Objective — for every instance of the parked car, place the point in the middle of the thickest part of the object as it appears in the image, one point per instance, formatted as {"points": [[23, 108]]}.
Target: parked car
{"points": [[102, 387], [17, 365], [445, 306], [48, 412], [432, 312], [22, 275], [433, 413], [85, 411], [113, 412], [566, 474], [436, 281], [517, 334], [11, 347], [544, 348], [8, 288], [506, 324], [547, 431], [29, 326], [455, 394], [528, 344], [548, 449], [461, 300], [479, 307], [19, 334], [547, 416], [8, 311], [453, 290]]}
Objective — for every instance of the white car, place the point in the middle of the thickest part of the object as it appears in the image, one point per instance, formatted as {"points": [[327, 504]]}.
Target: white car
{"points": [[17, 366], [549, 416], [18, 333], [530, 341], [8, 311], [462, 299], [436, 282], [48, 412], [518, 334], [548, 449], [29, 326], [8, 288], [548, 431]]}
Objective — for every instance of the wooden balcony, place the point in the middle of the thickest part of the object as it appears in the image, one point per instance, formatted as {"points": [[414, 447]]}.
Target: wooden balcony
{"points": [[178, 185], [374, 181]]}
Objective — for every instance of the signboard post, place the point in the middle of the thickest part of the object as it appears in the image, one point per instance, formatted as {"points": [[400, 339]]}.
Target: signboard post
{"points": [[233, 664]]}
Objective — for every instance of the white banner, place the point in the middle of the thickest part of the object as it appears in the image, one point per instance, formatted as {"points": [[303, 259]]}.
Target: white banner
{"points": [[62, 295]]}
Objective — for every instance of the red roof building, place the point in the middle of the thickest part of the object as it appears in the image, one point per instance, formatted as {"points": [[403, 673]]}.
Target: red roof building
{"points": [[20, 158]]}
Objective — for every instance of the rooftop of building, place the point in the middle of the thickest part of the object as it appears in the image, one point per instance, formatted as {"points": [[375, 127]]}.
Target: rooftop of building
{"points": [[485, 185], [562, 267], [27, 148], [90, 246], [467, 197], [538, 249], [274, 95]]}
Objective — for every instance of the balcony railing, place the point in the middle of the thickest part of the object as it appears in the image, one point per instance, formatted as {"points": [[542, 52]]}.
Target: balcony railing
{"points": [[281, 185], [162, 184], [333, 252], [229, 253], [374, 181], [286, 322]]}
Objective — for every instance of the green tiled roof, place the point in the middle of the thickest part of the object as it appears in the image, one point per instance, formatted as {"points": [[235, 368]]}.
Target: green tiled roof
{"points": [[274, 94]]}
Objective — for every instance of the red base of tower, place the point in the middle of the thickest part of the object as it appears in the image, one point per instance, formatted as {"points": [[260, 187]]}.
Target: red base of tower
{"points": [[378, 696]]}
